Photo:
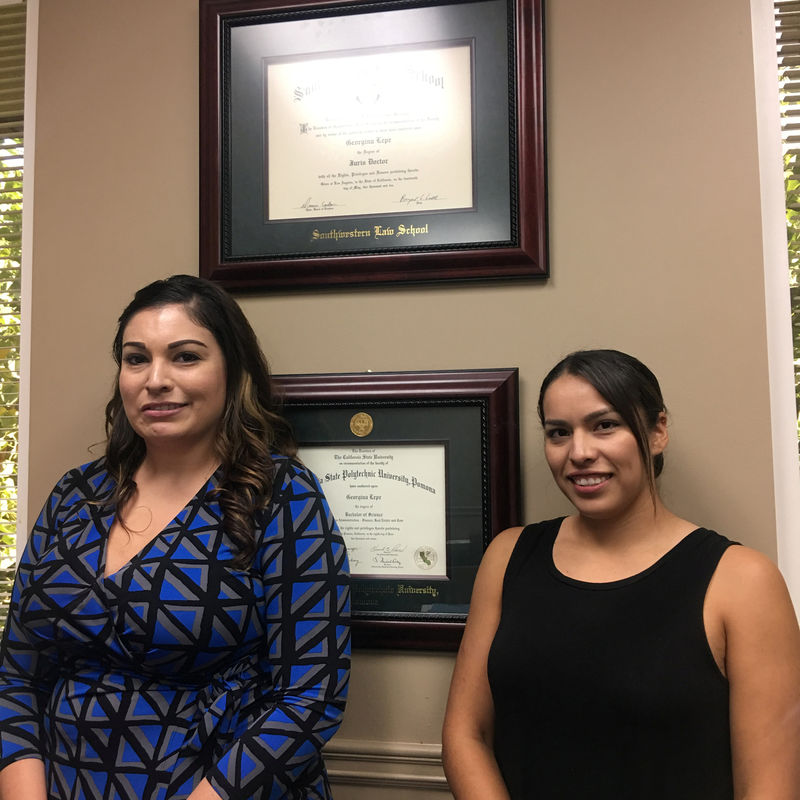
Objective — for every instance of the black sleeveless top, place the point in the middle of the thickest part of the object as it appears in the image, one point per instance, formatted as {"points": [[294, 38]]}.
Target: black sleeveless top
{"points": [[609, 690]]}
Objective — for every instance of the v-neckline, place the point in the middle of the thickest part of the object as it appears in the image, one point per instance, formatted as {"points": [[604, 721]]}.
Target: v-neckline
{"points": [[145, 548]]}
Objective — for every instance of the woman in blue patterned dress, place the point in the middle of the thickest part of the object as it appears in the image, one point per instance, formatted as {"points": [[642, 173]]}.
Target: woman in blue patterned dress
{"points": [[179, 622]]}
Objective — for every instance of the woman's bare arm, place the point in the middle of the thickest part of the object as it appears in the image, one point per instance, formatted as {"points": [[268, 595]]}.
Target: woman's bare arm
{"points": [[762, 662], [468, 733], [23, 780]]}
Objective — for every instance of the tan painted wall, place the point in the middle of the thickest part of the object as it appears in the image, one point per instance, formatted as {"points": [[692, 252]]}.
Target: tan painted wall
{"points": [[655, 248]]}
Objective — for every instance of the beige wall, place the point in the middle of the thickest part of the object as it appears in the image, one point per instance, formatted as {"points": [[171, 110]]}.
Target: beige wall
{"points": [[655, 249]]}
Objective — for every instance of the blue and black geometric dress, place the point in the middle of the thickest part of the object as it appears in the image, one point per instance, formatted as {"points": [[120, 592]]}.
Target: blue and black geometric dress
{"points": [[178, 667]]}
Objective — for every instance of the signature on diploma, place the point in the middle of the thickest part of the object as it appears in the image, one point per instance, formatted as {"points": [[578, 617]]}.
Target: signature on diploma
{"points": [[417, 199], [381, 560], [389, 549], [318, 205]]}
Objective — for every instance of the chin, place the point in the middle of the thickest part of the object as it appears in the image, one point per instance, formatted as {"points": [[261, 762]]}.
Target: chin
{"points": [[599, 514]]}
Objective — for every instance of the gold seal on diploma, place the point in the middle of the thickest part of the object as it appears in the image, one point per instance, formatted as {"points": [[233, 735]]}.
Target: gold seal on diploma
{"points": [[425, 557], [361, 424]]}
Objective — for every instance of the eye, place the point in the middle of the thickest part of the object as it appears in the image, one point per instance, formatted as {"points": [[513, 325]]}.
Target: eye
{"points": [[607, 425], [554, 434], [134, 359], [187, 357]]}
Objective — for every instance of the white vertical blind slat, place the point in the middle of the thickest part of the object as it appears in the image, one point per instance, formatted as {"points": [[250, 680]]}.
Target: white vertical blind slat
{"points": [[12, 92]]}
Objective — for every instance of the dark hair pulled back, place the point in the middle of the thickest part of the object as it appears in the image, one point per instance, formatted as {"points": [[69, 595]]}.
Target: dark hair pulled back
{"points": [[627, 385]]}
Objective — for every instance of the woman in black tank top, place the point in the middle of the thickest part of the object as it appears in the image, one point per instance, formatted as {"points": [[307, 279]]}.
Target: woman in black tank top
{"points": [[622, 652]]}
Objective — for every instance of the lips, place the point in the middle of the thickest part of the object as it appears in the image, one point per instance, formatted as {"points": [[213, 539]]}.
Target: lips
{"points": [[161, 407], [589, 481]]}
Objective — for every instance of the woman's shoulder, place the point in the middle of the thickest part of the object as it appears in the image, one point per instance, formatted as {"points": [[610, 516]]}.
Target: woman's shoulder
{"points": [[529, 530], [501, 549], [292, 476], [293, 481], [747, 586], [88, 481], [502, 546], [746, 568], [298, 506], [529, 535], [73, 495]]}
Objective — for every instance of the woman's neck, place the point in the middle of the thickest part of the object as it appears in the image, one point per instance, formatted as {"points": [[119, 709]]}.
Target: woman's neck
{"points": [[648, 523], [178, 464], [600, 550]]}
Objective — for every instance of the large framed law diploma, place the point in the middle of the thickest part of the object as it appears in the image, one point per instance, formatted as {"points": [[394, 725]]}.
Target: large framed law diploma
{"points": [[388, 141], [421, 470]]}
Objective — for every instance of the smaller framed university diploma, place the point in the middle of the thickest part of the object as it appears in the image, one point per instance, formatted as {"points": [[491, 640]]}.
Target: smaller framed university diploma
{"points": [[371, 141], [421, 470]]}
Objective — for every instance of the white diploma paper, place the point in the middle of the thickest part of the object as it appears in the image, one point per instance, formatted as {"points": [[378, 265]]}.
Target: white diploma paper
{"points": [[390, 505], [373, 133]]}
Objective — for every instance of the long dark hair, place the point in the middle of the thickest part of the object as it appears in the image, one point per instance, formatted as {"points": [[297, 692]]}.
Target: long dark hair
{"points": [[628, 386], [251, 427]]}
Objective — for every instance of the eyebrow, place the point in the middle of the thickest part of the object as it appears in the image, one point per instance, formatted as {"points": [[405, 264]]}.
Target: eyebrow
{"points": [[588, 418], [170, 346]]}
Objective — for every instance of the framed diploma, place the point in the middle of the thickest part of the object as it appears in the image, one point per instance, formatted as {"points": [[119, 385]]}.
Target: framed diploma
{"points": [[421, 470], [374, 141]]}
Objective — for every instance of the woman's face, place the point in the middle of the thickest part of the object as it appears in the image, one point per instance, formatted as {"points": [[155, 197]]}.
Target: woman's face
{"points": [[592, 453], [172, 378]]}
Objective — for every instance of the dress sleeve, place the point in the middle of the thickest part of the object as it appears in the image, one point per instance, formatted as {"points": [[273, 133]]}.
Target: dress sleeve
{"points": [[307, 595], [27, 674]]}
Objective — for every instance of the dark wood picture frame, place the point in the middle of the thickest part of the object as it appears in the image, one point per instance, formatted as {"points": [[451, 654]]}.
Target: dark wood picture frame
{"points": [[476, 413], [509, 161]]}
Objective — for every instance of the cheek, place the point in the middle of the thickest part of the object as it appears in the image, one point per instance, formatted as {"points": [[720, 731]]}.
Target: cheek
{"points": [[127, 388], [129, 394], [215, 391], [630, 454], [554, 458], [220, 403]]}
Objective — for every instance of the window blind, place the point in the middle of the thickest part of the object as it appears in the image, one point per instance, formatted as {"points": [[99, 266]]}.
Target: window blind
{"points": [[12, 83], [787, 27]]}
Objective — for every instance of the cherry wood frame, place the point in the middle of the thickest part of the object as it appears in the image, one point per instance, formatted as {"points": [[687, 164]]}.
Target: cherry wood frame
{"points": [[522, 256], [495, 392]]}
